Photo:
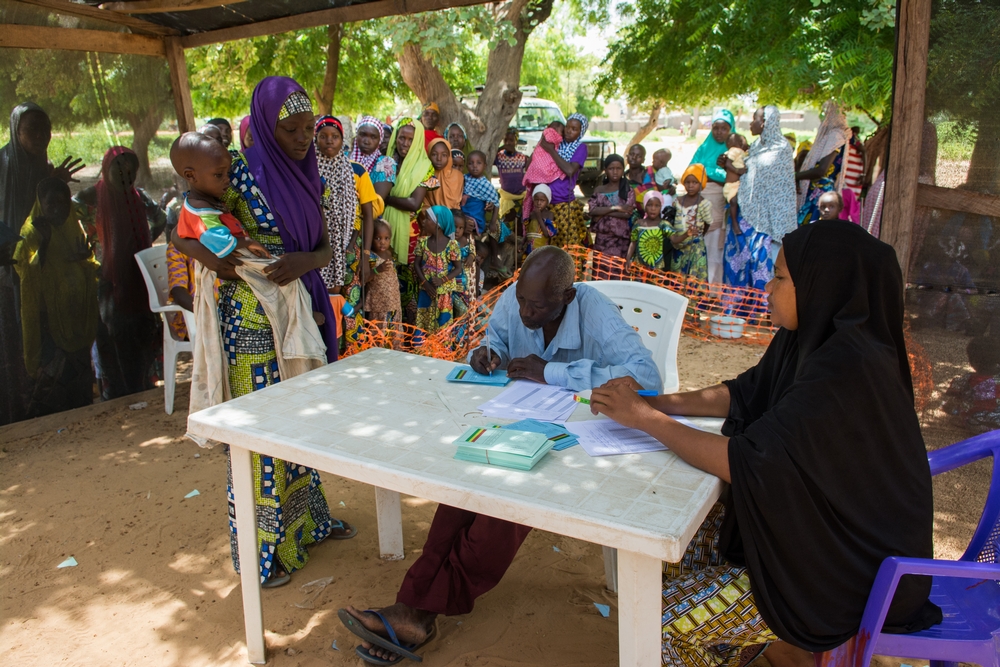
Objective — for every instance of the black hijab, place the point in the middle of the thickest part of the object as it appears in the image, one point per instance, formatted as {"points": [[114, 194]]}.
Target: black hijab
{"points": [[829, 470], [20, 172]]}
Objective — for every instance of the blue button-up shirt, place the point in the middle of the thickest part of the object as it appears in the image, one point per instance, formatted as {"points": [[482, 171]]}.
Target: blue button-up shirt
{"points": [[593, 344]]}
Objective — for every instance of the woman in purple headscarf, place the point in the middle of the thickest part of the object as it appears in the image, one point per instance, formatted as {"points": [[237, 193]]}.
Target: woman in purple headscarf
{"points": [[275, 194]]}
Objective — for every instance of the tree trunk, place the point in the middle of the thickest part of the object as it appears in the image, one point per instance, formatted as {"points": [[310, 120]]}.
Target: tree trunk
{"points": [[984, 166], [643, 132], [487, 123], [324, 96], [695, 122], [143, 130]]}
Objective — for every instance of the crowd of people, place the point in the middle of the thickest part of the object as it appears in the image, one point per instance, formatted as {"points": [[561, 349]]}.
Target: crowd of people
{"points": [[403, 224]]}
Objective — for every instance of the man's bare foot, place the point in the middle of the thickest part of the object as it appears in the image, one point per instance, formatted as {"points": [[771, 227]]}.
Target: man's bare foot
{"points": [[783, 654], [412, 626]]}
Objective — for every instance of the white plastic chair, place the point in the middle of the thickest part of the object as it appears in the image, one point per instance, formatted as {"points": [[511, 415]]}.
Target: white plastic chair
{"points": [[658, 315], [153, 264]]}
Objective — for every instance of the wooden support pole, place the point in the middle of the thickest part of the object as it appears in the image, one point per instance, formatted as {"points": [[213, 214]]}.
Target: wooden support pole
{"points": [[78, 39], [179, 82], [909, 90]]}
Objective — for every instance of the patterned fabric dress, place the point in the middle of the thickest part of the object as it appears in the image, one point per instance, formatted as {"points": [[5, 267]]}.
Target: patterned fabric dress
{"points": [[649, 246], [691, 258], [352, 276], [571, 225], [809, 211], [292, 510], [747, 261], [382, 293], [432, 314], [611, 234], [180, 273], [465, 296], [709, 615]]}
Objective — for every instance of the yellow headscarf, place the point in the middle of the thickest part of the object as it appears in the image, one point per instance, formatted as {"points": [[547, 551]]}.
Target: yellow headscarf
{"points": [[698, 171]]}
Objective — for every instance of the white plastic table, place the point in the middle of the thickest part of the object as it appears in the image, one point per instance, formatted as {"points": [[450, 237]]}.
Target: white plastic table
{"points": [[388, 419]]}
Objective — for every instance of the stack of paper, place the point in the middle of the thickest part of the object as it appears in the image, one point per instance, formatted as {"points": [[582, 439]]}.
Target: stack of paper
{"points": [[605, 437], [520, 450], [466, 374], [530, 400], [561, 438]]}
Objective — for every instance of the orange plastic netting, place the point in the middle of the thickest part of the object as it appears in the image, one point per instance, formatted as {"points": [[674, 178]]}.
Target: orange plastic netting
{"points": [[706, 300]]}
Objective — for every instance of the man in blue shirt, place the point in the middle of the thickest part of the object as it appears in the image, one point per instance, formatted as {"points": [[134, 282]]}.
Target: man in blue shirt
{"points": [[545, 329], [549, 330]]}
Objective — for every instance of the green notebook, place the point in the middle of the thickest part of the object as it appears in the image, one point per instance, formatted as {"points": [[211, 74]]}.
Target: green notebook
{"points": [[520, 450]]}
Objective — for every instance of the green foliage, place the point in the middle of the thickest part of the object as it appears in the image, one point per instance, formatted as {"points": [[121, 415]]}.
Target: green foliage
{"points": [[557, 69], [223, 76], [692, 52]]}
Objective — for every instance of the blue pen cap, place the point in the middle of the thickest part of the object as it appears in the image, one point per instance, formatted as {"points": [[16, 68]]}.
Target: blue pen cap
{"points": [[648, 392]]}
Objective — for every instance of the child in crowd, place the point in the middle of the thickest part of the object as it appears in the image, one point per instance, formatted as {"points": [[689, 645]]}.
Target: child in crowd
{"points": [[180, 285], [204, 164], [457, 159], [540, 227], [663, 176], [973, 398], [437, 262], [382, 302], [648, 236], [694, 215], [542, 168], [465, 229], [511, 166], [736, 152], [830, 205], [479, 198], [213, 132]]}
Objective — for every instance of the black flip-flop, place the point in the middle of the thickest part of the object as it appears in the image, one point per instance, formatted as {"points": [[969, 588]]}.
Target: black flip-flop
{"points": [[390, 644], [337, 523], [277, 582], [363, 653]]}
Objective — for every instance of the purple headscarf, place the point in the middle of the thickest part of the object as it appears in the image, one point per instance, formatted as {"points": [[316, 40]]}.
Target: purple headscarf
{"points": [[292, 190]]}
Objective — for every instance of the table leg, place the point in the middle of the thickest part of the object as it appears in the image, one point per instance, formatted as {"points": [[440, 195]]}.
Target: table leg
{"points": [[390, 524], [640, 584], [611, 568], [246, 539]]}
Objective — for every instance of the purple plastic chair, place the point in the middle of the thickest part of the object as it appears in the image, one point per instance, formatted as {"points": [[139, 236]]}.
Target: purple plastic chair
{"points": [[967, 590]]}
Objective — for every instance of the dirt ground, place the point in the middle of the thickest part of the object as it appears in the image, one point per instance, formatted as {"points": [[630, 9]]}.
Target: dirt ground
{"points": [[155, 584]]}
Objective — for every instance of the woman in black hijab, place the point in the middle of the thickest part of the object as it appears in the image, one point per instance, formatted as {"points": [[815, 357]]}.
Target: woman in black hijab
{"points": [[822, 448]]}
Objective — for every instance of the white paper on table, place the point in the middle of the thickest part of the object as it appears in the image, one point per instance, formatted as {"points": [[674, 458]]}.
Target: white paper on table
{"points": [[531, 400], [606, 437]]}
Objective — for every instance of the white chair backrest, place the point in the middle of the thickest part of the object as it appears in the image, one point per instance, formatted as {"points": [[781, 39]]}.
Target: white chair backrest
{"points": [[153, 264], [657, 314]]}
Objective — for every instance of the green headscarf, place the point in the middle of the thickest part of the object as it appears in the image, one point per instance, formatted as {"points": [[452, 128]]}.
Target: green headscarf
{"points": [[414, 170], [710, 150]]}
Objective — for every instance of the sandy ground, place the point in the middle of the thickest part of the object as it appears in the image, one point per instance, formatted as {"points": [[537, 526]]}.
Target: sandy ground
{"points": [[155, 585]]}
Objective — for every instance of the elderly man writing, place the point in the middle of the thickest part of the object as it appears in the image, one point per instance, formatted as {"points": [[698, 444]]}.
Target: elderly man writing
{"points": [[546, 329]]}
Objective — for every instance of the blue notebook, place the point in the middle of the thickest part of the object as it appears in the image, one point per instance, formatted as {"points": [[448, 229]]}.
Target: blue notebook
{"points": [[466, 374]]}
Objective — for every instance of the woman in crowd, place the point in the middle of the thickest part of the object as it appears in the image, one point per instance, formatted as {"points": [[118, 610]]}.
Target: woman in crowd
{"points": [[246, 139], [277, 195], [127, 221], [450, 180], [366, 151], [611, 207], [511, 166], [567, 212], [361, 226], [815, 505], [58, 303], [707, 155], [823, 166], [414, 178], [340, 199], [766, 204], [430, 118], [24, 162]]}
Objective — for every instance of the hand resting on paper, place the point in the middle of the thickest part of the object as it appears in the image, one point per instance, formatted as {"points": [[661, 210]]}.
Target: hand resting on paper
{"points": [[483, 362], [618, 400], [531, 367]]}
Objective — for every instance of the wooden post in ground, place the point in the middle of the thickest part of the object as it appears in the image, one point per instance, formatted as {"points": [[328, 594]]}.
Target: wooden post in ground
{"points": [[909, 89], [179, 82]]}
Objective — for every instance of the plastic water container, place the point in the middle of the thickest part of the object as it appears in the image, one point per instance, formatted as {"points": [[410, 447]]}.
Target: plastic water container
{"points": [[726, 327]]}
